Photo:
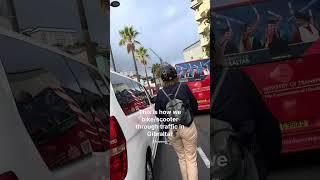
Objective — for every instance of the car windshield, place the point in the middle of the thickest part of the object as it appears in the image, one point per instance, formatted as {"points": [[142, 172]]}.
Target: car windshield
{"points": [[253, 31]]}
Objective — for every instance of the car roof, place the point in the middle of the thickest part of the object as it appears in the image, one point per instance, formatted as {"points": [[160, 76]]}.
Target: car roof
{"points": [[113, 72]]}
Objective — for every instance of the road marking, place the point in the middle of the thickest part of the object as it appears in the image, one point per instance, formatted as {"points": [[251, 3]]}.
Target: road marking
{"points": [[204, 157]]}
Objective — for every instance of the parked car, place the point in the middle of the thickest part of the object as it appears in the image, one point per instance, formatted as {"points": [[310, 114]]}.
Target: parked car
{"points": [[130, 106], [54, 113]]}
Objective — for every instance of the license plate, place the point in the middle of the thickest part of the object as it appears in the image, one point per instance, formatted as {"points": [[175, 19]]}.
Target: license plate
{"points": [[202, 101], [294, 125]]}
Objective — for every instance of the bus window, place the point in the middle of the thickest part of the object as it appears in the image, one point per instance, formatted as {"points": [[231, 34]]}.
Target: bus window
{"points": [[193, 71], [262, 31]]}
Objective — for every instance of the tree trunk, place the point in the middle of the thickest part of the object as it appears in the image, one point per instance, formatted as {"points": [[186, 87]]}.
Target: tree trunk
{"points": [[112, 59], [86, 35], [149, 87], [155, 81], [135, 66], [13, 16]]}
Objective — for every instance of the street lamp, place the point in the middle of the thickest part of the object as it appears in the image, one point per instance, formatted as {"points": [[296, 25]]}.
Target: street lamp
{"points": [[154, 78], [161, 61], [115, 4]]}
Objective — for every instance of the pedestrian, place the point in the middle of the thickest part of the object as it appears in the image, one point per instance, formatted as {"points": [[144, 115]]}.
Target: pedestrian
{"points": [[195, 74], [180, 75], [183, 140], [227, 41], [188, 74], [205, 70], [249, 40], [306, 31], [240, 104], [272, 35], [274, 39]]}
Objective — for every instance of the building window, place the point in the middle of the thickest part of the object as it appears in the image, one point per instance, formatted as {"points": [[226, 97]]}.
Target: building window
{"points": [[60, 38], [44, 38]]}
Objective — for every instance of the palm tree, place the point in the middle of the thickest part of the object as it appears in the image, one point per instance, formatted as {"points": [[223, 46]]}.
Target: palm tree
{"points": [[155, 69], [142, 55], [128, 35]]}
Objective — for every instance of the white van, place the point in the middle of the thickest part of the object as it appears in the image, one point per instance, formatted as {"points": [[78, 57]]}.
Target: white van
{"points": [[54, 114], [55, 122], [130, 106]]}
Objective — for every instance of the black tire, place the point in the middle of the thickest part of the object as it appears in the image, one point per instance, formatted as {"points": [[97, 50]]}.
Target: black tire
{"points": [[148, 168]]}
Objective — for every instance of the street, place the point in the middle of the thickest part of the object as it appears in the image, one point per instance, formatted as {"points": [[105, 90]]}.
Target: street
{"points": [[294, 166], [298, 166], [166, 163]]}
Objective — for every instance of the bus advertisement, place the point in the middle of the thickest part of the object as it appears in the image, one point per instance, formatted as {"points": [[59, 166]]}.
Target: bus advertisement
{"points": [[277, 44], [196, 75]]}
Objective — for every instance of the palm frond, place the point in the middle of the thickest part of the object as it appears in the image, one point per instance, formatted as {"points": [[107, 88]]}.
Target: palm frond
{"points": [[128, 35], [137, 42], [142, 55], [121, 32], [122, 42]]}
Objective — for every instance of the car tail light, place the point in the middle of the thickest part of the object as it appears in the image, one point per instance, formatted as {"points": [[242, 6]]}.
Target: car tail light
{"points": [[118, 151], [8, 176]]}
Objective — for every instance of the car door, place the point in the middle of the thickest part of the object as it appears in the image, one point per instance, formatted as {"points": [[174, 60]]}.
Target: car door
{"points": [[147, 114], [49, 100]]}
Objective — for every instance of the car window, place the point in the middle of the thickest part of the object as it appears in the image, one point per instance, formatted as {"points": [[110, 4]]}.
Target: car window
{"points": [[47, 96], [101, 106], [141, 93], [95, 102], [104, 89], [129, 94], [148, 93]]}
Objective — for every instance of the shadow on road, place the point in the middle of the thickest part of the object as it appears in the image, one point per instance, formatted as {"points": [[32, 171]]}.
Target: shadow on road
{"points": [[297, 166], [166, 165], [203, 112]]}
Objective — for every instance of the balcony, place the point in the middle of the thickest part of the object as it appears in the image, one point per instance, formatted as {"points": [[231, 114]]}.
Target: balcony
{"points": [[203, 27], [198, 16], [204, 7], [204, 42], [195, 4]]}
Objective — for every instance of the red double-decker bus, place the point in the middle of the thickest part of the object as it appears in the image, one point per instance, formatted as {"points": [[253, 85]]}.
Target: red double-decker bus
{"points": [[277, 44], [196, 74]]}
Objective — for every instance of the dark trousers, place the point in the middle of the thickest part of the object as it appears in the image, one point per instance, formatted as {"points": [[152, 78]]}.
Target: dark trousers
{"points": [[262, 166]]}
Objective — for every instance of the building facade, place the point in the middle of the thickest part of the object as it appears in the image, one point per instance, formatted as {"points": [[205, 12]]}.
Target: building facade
{"points": [[52, 36], [93, 16], [193, 52], [202, 9]]}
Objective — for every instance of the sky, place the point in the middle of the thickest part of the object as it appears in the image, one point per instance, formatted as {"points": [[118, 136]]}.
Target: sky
{"points": [[166, 26]]}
